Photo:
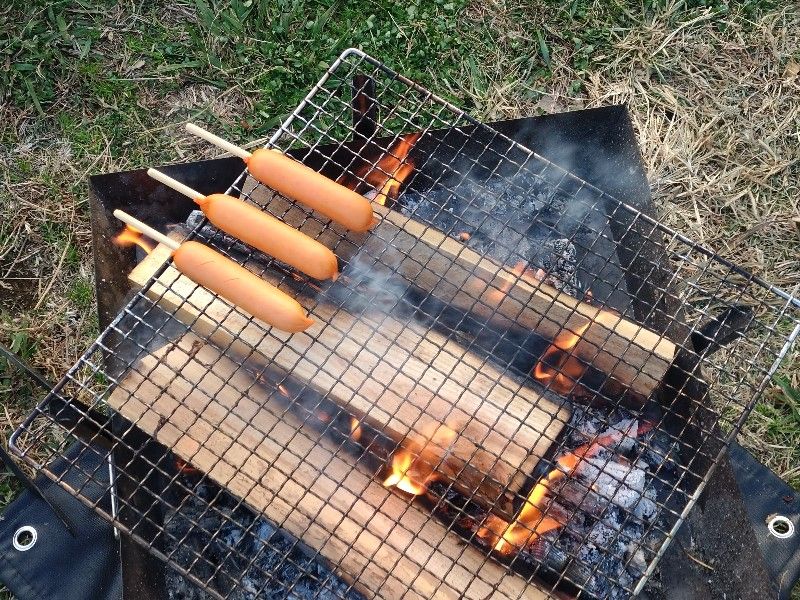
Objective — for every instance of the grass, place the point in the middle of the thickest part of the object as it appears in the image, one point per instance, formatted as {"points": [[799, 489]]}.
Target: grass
{"points": [[90, 87]]}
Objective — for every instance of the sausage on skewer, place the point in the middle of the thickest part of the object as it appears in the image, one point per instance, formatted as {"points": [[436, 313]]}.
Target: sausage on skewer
{"points": [[295, 180], [237, 285], [260, 230]]}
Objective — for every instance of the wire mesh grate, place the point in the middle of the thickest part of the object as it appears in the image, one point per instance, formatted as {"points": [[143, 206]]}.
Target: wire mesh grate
{"points": [[518, 386]]}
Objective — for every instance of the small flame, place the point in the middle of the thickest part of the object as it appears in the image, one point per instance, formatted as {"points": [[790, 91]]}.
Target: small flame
{"points": [[400, 476], [532, 522], [413, 468], [130, 236], [558, 367], [355, 429], [392, 169], [282, 389]]}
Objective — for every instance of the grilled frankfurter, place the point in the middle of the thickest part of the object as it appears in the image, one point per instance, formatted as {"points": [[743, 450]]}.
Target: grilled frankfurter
{"points": [[240, 287]]}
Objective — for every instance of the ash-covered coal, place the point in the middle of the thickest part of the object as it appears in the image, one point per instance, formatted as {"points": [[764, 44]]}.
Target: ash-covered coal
{"points": [[240, 554], [527, 219], [614, 503]]}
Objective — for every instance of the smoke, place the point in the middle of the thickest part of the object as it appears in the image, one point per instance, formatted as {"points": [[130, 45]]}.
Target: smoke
{"points": [[519, 209]]}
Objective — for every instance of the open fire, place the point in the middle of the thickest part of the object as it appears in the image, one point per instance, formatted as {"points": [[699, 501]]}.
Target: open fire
{"points": [[573, 499], [413, 467], [130, 236], [558, 367], [337, 466], [387, 175]]}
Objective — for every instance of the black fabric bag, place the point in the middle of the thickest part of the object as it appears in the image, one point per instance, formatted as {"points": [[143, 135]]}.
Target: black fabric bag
{"points": [[59, 566], [765, 496]]}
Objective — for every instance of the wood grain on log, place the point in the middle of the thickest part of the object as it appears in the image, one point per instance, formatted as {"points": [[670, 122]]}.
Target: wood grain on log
{"points": [[401, 379]]}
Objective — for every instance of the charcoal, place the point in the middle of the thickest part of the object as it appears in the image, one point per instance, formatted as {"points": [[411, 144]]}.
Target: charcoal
{"points": [[582, 499], [636, 561], [559, 264], [243, 551], [527, 219]]}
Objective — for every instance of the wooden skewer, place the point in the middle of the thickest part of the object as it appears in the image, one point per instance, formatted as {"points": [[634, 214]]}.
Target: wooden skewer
{"points": [[175, 185], [146, 229], [218, 141]]}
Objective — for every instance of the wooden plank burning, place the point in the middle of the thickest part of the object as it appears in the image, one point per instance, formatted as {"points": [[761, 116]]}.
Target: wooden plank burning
{"points": [[631, 355], [229, 425], [401, 379]]}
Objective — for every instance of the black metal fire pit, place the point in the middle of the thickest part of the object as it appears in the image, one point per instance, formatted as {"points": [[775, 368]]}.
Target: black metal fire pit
{"points": [[653, 453]]}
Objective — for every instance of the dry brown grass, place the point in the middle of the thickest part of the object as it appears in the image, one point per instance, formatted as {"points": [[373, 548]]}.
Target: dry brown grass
{"points": [[715, 102]]}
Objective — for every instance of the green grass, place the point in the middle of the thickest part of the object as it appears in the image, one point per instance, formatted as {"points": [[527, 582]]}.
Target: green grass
{"points": [[781, 413], [90, 86]]}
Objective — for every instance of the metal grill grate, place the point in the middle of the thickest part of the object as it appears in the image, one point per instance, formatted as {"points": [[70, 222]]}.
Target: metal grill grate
{"points": [[303, 428]]}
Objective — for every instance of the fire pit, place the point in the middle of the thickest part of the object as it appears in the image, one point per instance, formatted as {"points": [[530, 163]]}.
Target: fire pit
{"points": [[489, 403]]}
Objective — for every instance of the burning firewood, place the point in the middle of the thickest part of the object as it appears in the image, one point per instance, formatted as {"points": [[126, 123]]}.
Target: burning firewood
{"points": [[237, 434], [412, 384], [632, 356]]}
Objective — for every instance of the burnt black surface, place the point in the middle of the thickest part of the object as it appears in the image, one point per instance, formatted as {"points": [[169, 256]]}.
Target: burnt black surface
{"points": [[599, 146]]}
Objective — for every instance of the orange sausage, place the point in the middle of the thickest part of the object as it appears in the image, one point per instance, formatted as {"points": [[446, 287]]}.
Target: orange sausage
{"points": [[295, 180], [239, 286], [260, 230]]}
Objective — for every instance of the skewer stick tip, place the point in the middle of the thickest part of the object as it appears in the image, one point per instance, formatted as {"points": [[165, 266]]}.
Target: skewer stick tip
{"points": [[218, 141], [146, 229]]}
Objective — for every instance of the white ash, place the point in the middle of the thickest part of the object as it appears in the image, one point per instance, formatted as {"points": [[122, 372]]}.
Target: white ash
{"points": [[613, 499], [524, 221], [559, 264]]}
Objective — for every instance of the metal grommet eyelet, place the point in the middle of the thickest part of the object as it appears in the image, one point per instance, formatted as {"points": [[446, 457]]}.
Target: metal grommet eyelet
{"points": [[780, 527], [24, 538]]}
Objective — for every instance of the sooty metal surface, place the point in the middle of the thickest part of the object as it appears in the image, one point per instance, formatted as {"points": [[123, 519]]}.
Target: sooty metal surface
{"points": [[559, 538]]}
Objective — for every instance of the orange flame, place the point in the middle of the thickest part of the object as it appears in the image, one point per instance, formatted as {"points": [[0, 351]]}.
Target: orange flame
{"points": [[391, 170], [414, 467], [355, 429], [400, 477], [130, 236], [558, 367], [532, 522]]}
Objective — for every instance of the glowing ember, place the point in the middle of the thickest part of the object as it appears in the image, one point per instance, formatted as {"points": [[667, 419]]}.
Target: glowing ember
{"points": [[413, 469], [185, 467], [558, 367], [130, 236], [532, 521]]}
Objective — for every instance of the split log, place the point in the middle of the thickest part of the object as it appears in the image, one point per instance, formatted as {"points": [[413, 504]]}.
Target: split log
{"points": [[401, 379], [632, 355], [229, 425]]}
